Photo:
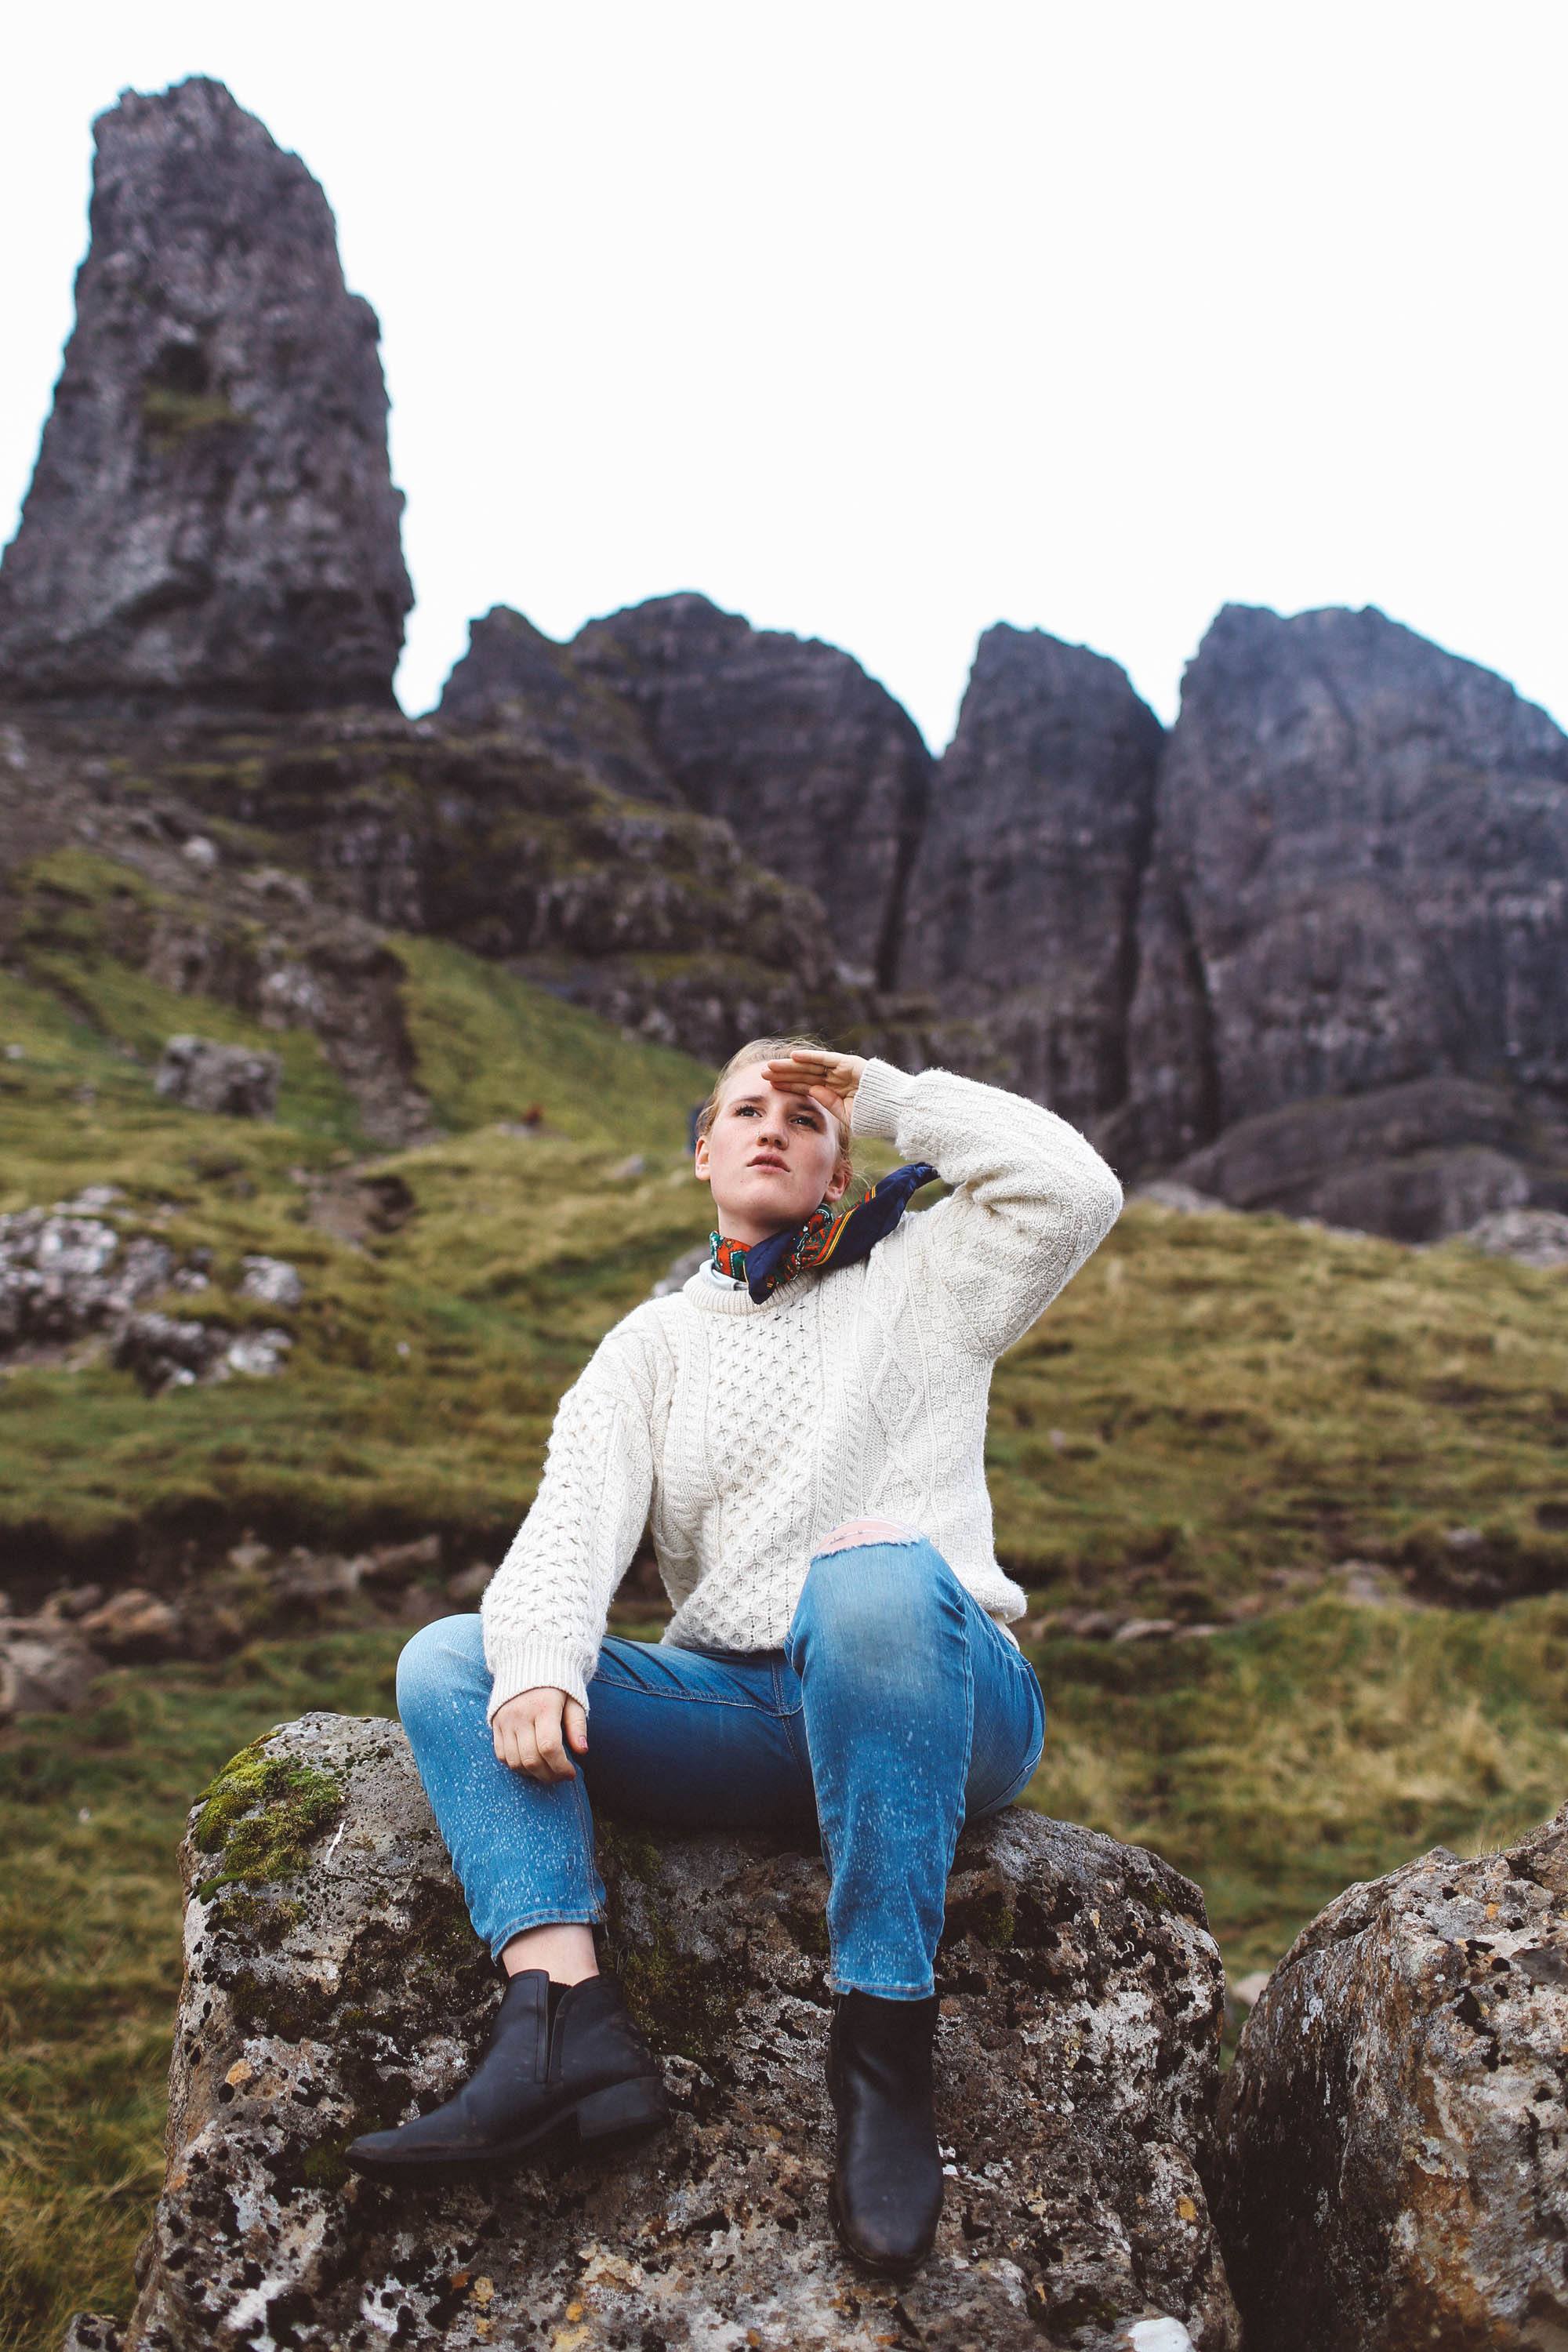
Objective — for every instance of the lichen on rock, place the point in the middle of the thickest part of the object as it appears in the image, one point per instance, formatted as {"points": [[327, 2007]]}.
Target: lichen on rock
{"points": [[334, 1982], [1394, 2131]]}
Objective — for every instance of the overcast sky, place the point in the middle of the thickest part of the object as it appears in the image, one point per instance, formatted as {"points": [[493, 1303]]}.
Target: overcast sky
{"points": [[881, 320]]}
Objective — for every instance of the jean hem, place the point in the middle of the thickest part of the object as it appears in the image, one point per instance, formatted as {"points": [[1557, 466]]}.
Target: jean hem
{"points": [[835, 1984], [556, 1918]]}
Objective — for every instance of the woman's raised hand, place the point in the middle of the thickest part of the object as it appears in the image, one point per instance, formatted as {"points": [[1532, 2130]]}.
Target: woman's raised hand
{"points": [[527, 1730], [829, 1078]]}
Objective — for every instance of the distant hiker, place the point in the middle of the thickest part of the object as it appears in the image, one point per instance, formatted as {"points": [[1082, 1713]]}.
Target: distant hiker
{"points": [[803, 1422]]}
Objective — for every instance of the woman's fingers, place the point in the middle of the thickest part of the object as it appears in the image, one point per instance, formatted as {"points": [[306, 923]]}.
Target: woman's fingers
{"points": [[576, 1722], [553, 1756], [527, 1734]]}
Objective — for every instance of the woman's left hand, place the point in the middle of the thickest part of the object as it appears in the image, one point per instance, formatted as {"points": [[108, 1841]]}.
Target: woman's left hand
{"points": [[829, 1079]]}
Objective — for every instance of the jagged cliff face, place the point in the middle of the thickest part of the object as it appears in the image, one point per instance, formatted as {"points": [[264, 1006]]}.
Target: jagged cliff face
{"points": [[212, 521], [1311, 951], [823, 775], [515, 681], [1024, 896], [1358, 880]]}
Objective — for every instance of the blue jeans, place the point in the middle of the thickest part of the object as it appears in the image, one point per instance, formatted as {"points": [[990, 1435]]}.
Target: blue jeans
{"points": [[896, 1710]]}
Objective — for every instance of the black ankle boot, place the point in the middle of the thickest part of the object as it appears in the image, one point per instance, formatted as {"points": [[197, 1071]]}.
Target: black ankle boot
{"points": [[887, 2184], [579, 2063]]}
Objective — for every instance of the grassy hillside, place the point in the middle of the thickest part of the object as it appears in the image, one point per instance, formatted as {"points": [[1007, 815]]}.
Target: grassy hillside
{"points": [[1216, 1411], [1213, 1396]]}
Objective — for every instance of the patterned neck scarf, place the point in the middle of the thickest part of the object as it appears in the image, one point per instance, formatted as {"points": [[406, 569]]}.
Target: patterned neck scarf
{"points": [[823, 1239]]}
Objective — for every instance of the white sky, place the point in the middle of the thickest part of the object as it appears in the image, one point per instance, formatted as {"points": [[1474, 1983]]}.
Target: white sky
{"points": [[883, 319]]}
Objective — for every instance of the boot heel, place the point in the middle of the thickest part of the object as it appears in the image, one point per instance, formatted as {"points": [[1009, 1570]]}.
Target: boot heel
{"points": [[639, 2106]]}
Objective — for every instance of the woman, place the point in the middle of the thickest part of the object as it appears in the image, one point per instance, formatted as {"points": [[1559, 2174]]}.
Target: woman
{"points": [[805, 1420]]}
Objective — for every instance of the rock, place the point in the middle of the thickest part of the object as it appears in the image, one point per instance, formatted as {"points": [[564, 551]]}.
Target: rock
{"points": [[333, 1981], [681, 1269], [68, 1603], [1358, 881], [520, 682], [212, 521], [358, 1209], [200, 852], [1537, 1238], [62, 1276], [207, 1076], [313, 1580], [92, 2331], [390, 1567], [165, 1351], [46, 1667], [1165, 1194], [653, 917], [273, 1280], [469, 1584], [259, 1355], [92, 1201], [1024, 896], [824, 776], [1394, 2153], [133, 1624], [1418, 1162]]}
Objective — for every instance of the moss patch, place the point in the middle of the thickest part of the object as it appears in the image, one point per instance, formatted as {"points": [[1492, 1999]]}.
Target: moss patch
{"points": [[682, 2003], [260, 1815]]}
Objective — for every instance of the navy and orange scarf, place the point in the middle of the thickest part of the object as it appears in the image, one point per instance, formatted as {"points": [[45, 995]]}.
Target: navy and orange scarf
{"points": [[824, 1239]]}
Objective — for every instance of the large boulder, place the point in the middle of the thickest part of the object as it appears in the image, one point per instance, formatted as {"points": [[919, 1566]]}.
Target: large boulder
{"points": [[1024, 897], [1394, 2164], [333, 1981], [1418, 1161], [212, 521]]}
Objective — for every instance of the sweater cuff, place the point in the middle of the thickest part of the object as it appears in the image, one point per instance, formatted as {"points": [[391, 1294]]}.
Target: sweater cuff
{"points": [[880, 1099], [538, 1661]]}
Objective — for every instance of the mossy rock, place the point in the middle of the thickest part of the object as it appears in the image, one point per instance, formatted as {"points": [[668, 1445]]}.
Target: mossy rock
{"points": [[260, 1816]]}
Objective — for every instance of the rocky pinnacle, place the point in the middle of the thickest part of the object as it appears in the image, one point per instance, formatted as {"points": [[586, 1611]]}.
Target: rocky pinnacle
{"points": [[212, 519]]}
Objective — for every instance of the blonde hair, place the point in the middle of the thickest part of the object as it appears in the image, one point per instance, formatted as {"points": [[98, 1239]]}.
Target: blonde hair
{"points": [[770, 1049]]}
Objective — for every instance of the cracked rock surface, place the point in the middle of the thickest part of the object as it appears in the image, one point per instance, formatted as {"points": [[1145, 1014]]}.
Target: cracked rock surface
{"points": [[332, 1982], [1393, 2132]]}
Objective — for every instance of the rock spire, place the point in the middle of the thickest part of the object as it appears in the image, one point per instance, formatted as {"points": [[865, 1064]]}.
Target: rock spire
{"points": [[212, 521]]}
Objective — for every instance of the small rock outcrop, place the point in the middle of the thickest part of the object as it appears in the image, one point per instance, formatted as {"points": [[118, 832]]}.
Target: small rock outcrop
{"points": [[1394, 2148], [1358, 880], [1537, 1238], [212, 521], [1024, 897], [332, 1981], [64, 1274], [823, 775], [207, 1076]]}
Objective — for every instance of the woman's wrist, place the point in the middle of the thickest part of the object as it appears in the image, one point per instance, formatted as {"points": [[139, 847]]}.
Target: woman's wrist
{"points": [[881, 1098]]}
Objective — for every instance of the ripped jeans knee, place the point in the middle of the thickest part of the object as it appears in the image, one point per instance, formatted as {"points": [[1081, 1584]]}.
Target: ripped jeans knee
{"points": [[864, 1532]]}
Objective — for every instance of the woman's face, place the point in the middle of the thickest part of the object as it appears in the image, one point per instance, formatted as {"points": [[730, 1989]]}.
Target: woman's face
{"points": [[768, 1156]]}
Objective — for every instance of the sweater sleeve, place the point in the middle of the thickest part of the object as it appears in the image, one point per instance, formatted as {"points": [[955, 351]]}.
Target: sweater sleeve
{"points": [[546, 1608], [1032, 1198]]}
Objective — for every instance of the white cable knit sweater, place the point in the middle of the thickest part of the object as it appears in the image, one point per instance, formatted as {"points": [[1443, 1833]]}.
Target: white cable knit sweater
{"points": [[749, 1432]]}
